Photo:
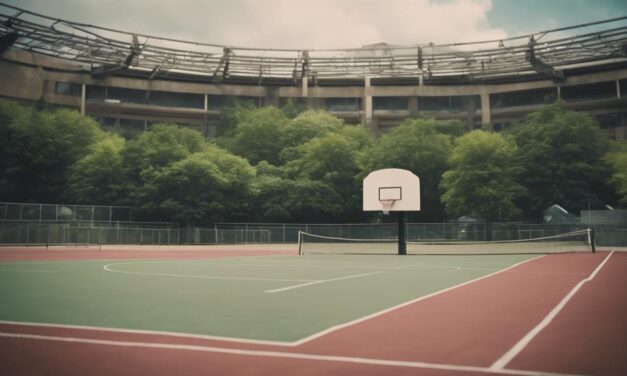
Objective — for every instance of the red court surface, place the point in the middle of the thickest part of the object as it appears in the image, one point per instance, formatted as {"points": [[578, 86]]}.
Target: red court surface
{"points": [[574, 304]]}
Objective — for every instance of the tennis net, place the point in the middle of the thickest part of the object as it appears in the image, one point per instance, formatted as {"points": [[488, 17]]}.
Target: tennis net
{"points": [[576, 241]]}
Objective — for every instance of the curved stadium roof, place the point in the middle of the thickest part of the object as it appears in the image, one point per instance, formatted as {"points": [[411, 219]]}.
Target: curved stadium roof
{"points": [[103, 51]]}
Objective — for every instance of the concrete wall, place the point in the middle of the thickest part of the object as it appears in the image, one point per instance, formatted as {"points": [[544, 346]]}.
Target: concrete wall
{"points": [[28, 76]]}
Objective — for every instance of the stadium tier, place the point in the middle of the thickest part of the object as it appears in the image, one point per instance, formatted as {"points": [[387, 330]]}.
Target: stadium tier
{"points": [[128, 80]]}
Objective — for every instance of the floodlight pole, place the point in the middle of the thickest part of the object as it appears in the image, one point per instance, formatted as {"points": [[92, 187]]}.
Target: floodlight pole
{"points": [[402, 246]]}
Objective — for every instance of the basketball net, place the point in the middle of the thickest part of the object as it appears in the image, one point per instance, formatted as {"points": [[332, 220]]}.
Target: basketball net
{"points": [[387, 205]]}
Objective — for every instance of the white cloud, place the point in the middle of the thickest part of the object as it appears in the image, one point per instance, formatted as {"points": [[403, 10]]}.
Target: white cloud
{"points": [[296, 24]]}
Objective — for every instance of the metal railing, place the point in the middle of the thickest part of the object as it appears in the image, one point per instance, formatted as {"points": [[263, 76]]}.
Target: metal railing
{"points": [[109, 50]]}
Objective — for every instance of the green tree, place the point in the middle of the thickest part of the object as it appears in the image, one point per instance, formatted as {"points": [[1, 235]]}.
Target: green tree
{"points": [[417, 145], [305, 127], [333, 159], [39, 149], [481, 181], [209, 186], [11, 117], [618, 160], [236, 112], [149, 153], [297, 200], [257, 136], [96, 178], [291, 109], [562, 155]]}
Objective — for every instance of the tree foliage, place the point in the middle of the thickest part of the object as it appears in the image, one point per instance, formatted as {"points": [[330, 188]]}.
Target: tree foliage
{"points": [[257, 136], [618, 160], [271, 164], [419, 146], [333, 159], [39, 148], [203, 187], [481, 181], [562, 153], [96, 177]]}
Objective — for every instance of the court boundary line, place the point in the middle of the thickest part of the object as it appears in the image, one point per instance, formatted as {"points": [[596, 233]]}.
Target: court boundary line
{"points": [[519, 346], [270, 342], [148, 332], [404, 304], [278, 354]]}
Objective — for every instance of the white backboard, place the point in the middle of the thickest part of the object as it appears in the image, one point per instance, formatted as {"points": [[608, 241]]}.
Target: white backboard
{"points": [[396, 184]]}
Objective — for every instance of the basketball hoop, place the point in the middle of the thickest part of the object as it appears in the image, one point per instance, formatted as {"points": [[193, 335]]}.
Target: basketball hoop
{"points": [[387, 205]]}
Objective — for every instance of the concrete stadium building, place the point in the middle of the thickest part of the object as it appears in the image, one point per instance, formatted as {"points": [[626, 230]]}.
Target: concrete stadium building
{"points": [[128, 81]]}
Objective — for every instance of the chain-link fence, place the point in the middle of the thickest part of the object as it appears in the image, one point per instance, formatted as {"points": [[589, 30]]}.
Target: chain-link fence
{"points": [[14, 211], [245, 233]]}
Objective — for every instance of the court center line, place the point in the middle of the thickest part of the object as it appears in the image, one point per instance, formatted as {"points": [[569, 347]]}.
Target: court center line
{"points": [[321, 281], [523, 342], [109, 269], [277, 354]]}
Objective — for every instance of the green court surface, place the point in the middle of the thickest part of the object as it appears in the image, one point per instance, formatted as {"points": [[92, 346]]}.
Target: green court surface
{"points": [[271, 298]]}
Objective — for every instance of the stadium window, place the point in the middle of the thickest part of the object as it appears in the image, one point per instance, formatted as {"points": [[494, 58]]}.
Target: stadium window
{"points": [[125, 95], [523, 98], [171, 99], [460, 103], [434, 104], [255, 101], [67, 88], [217, 102], [623, 88], [390, 103], [342, 104], [600, 90], [96, 93]]}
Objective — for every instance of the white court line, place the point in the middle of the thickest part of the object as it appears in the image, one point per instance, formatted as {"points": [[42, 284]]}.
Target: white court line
{"points": [[149, 332], [520, 345], [394, 308], [277, 354], [109, 269], [268, 342], [321, 281]]}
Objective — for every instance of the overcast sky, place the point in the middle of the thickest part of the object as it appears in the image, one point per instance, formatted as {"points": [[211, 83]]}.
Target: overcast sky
{"points": [[319, 24]]}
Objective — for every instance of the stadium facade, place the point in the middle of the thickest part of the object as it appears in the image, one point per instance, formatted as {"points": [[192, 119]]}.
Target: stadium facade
{"points": [[128, 81]]}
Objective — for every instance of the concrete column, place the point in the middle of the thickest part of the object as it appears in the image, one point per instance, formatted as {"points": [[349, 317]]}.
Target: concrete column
{"points": [[206, 103], [367, 103], [83, 95], [305, 87], [485, 111], [413, 105], [618, 89]]}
